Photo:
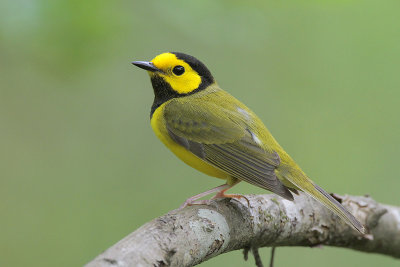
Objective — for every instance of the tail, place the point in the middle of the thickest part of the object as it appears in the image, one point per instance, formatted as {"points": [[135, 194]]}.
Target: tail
{"points": [[328, 201]]}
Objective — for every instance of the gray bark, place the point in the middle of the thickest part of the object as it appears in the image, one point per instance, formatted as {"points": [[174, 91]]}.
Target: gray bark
{"points": [[197, 233]]}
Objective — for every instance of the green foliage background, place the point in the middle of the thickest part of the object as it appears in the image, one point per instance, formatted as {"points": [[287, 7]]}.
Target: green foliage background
{"points": [[79, 165]]}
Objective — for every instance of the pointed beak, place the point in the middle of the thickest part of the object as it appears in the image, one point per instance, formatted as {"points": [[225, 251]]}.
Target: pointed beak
{"points": [[146, 66]]}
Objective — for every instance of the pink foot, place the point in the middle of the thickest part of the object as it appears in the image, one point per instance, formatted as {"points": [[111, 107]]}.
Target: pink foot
{"points": [[235, 196], [194, 199], [195, 202]]}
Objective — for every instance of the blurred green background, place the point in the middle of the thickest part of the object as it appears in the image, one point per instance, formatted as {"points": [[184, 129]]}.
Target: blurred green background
{"points": [[80, 167]]}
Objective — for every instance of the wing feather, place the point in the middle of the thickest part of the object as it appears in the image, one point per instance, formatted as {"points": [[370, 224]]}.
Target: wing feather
{"points": [[224, 140]]}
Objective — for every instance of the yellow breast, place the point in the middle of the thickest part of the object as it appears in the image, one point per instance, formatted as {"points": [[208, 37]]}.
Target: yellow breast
{"points": [[159, 127]]}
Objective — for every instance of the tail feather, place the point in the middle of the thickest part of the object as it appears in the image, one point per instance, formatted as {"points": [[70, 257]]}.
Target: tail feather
{"points": [[327, 200], [337, 208]]}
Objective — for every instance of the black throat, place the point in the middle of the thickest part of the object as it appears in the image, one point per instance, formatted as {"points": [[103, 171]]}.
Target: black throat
{"points": [[163, 91]]}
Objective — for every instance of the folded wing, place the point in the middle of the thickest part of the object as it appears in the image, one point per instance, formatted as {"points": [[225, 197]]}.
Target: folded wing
{"points": [[222, 138]]}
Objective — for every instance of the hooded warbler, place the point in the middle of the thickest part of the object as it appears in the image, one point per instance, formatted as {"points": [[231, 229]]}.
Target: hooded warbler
{"points": [[215, 133]]}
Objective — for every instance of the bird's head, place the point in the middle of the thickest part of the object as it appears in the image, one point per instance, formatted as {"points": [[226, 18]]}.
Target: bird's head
{"points": [[176, 73]]}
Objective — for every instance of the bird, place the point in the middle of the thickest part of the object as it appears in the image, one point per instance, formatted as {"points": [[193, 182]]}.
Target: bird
{"points": [[213, 132]]}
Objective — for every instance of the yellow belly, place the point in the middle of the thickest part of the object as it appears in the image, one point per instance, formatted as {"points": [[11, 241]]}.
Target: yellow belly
{"points": [[158, 125]]}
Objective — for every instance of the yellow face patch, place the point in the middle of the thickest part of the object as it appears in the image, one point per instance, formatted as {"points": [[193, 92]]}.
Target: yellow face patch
{"points": [[182, 84]]}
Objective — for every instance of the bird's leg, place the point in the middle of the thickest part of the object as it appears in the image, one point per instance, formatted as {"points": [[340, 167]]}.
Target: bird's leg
{"points": [[194, 199], [221, 194]]}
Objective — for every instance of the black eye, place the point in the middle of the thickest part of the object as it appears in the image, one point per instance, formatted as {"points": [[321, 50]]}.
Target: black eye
{"points": [[178, 70]]}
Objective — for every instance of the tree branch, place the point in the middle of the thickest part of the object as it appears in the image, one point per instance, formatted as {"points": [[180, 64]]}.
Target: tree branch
{"points": [[197, 233]]}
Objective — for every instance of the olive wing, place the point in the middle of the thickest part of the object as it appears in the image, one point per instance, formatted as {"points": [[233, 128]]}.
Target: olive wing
{"points": [[222, 138]]}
